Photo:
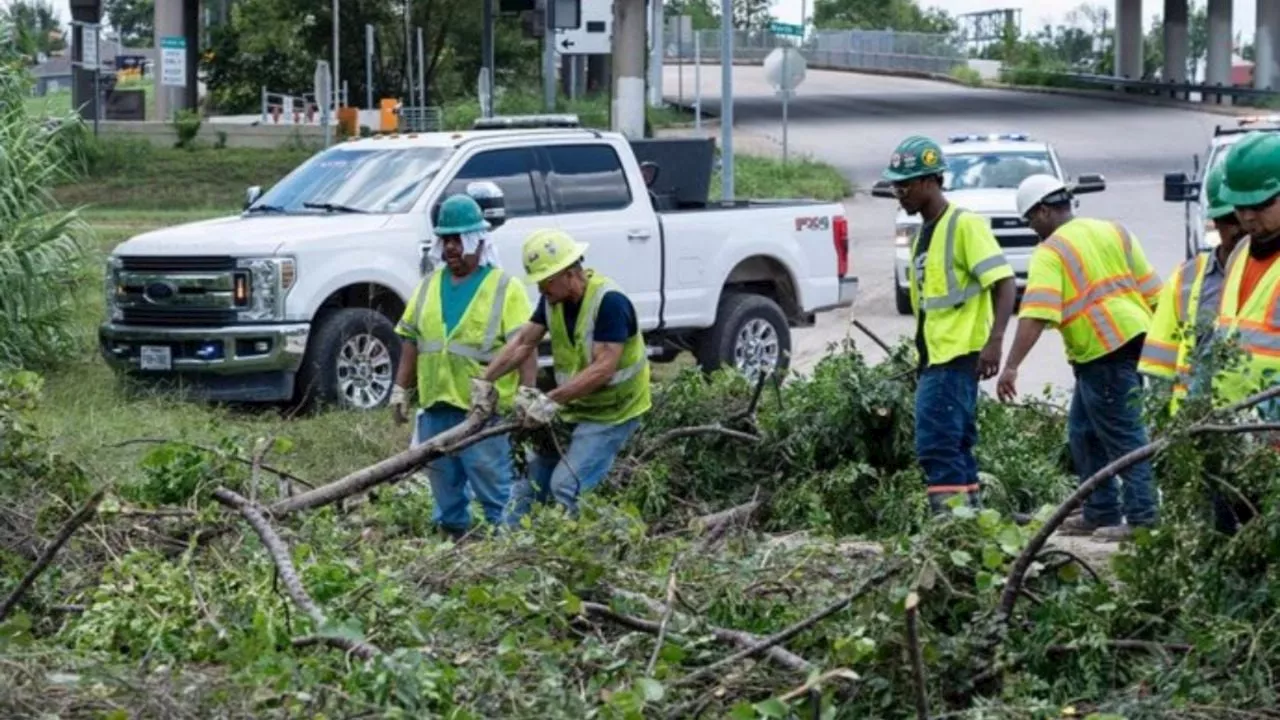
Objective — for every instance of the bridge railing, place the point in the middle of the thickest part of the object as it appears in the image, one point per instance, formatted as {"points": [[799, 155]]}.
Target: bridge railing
{"points": [[884, 50], [1216, 94]]}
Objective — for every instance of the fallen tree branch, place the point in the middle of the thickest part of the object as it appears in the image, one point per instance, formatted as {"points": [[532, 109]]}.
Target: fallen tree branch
{"points": [[780, 637], [463, 435], [713, 429], [288, 574], [666, 616], [741, 638], [917, 659], [1017, 574], [1071, 557], [874, 337], [73, 523], [1143, 645], [216, 451]]}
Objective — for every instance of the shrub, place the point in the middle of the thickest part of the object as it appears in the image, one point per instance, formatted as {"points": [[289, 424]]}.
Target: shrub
{"points": [[42, 252]]}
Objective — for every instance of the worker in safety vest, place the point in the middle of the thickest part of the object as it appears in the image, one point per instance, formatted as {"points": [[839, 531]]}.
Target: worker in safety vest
{"points": [[1188, 307], [601, 372], [1091, 280], [1249, 313], [457, 319], [956, 275]]}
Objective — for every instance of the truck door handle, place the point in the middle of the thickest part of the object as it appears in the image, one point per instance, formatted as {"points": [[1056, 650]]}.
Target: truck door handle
{"points": [[638, 234]]}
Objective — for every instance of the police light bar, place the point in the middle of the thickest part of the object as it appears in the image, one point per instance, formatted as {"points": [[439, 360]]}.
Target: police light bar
{"points": [[990, 137], [513, 122], [1252, 119]]}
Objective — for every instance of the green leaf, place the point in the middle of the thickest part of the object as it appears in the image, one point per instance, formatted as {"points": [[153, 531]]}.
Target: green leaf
{"points": [[743, 711], [961, 558], [992, 558], [650, 689], [572, 603], [1010, 540], [773, 708], [964, 512], [988, 520], [282, 446]]}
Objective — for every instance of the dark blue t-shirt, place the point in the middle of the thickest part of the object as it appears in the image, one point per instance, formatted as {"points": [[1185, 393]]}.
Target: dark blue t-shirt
{"points": [[615, 322]]}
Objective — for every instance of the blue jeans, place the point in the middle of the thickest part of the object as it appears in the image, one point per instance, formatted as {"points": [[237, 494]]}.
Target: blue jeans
{"points": [[587, 460], [1105, 422], [484, 471], [947, 429]]}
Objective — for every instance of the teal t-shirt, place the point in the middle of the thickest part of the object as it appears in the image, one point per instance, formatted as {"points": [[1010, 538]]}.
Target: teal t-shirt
{"points": [[456, 296]]}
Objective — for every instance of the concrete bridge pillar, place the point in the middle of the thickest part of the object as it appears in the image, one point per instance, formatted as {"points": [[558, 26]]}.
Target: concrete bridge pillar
{"points": [[1176, 40], [1266, 45], [1128, 39], [1218, 64]]}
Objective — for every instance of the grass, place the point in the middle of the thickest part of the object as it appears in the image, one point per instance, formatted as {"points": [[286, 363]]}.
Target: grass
{"points": [[592, 110], [133, 188], [58, 103]]}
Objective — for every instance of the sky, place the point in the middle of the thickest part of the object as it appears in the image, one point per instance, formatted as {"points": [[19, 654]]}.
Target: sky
{"points": [[1045, 11]]}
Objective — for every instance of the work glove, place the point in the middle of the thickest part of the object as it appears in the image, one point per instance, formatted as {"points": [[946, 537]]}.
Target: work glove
{"points": [[399, 404], [484, 397], [533, 408]]}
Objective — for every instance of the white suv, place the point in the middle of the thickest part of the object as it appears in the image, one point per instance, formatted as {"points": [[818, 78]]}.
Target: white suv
{"points": [[983, 177], [1178, 187]]}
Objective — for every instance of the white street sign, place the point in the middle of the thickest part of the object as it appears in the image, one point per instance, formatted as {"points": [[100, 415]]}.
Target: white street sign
{"points": [[89, 47], [784, 68], [594, 33], [173, 61]]}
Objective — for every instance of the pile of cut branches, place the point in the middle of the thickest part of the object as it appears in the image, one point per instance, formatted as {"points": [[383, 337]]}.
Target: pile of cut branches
{"points": [[759, 551]]}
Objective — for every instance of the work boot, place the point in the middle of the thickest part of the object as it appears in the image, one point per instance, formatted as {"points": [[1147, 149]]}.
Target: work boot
{"points": [[1116, 533], [1078, 525]]}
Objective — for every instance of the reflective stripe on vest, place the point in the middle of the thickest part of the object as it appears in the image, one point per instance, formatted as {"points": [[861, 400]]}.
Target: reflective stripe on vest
{"points": [[956, 295], [482, 354], [588, 342], [1090, 297], [1257, 336], [1152, 282]]}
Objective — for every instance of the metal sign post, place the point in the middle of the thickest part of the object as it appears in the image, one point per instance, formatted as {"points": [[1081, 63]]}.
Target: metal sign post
{"points": [[726, 100], [90, 59], [697, 80], [549, 57], [323, 88], [368, 67], [784, 68]]}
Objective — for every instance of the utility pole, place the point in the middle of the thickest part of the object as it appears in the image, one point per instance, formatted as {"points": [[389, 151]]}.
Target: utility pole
{"points": [[487, 55], [408, 57], [549, 57], [628, 67], [337, 77], [368, 67], [656, 40], [726, 99]]}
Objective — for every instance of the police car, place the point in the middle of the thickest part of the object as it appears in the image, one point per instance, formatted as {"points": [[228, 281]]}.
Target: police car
{"points": [[1178, 187], [984, 171]]}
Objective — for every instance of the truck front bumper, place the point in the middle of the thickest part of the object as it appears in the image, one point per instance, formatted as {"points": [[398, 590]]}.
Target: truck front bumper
{"points": [[234, 363]]}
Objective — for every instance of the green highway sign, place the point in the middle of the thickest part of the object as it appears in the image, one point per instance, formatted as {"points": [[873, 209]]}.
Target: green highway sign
{"points": [[781, 28]]}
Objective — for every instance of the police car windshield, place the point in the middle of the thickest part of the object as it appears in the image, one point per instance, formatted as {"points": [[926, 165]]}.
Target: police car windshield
{"points": [[358, 179], [987, 170]]}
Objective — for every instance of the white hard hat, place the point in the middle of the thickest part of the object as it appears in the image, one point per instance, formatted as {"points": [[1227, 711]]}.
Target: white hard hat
{"points": [[1036, 188]]}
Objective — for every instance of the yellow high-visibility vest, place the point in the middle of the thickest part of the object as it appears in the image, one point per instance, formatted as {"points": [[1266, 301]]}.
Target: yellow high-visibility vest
{"points": [[964, 260], [626, 395], [1255, 327], [1092, 281], [448, 362], [1171, 338]]}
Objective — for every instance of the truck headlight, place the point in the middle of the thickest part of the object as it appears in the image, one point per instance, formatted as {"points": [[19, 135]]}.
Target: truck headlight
{"points": [[902, 235], [261, 287], [111, 289]]}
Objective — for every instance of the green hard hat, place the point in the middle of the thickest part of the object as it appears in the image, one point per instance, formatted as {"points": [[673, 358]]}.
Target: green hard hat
{"points": [[1252, 170], [460, 214], [915, 157], [1216, 207]]}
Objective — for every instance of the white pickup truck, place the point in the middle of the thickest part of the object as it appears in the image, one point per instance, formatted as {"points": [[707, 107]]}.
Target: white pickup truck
{"points": [[295, 299]]}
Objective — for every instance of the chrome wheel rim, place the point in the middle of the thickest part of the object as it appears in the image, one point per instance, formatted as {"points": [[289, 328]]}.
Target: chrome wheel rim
{"points": [[756, 348], [365, 371]]}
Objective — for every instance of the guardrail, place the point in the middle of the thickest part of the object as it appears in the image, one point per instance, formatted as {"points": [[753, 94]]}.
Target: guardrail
{"points": [[1175, 90], [883, 50], [286, 109]]}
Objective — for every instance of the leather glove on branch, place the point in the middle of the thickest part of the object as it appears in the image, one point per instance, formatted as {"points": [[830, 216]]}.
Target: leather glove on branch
{"points": [[533, 408], [484, 397], [399, 403]]}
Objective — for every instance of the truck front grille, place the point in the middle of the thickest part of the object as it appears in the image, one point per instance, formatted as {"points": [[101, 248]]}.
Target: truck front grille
{"points": [[1018, 240], [186, 317], [187, 263]]}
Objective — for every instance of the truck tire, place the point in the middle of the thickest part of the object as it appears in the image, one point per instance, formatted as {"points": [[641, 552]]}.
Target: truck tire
{"points": [[350, 362], [751, 334], [902, 298]]}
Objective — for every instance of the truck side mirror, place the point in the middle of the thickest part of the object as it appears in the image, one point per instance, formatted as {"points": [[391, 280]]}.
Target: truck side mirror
{"points": [[883, 189], [1179, 188], [251, 195], [1089, 184]]}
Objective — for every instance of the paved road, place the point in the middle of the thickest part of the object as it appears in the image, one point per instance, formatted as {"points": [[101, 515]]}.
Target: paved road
{"points": [[854, 121]]}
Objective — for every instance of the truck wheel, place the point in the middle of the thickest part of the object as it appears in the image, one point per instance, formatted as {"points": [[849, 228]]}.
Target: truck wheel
{"points": [[351, 360], [751, 335], [902, 298]]}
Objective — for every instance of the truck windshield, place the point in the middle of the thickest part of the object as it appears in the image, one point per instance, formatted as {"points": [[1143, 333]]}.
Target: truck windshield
{"points": [[995, 170], [356, 179]]}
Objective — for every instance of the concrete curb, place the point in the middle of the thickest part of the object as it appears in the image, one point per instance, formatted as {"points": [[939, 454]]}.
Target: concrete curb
{"points": [[1224, 110]]}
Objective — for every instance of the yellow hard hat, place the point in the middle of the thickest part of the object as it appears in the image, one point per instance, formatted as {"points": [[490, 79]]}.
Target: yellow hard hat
{"points": [[548, 251]]}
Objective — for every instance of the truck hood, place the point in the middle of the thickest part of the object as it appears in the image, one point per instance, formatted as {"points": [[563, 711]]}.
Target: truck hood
{"points": [[993, 201], [245, 236]]}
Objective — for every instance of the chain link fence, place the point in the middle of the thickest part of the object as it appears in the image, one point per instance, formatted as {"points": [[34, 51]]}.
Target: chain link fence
{"points": [[886, 50]]}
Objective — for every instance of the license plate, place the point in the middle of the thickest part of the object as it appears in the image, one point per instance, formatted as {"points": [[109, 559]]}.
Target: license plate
{"points": [[156, 357]]}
